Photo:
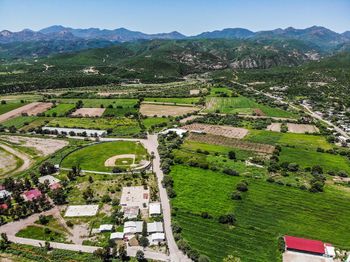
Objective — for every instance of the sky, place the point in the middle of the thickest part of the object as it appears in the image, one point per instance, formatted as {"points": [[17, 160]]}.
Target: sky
{"points": [[189, 17]]}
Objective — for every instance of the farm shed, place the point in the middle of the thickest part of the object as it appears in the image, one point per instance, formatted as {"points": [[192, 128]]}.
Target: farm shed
{"points": [[309, 246], [156, 238], [105, 227]]}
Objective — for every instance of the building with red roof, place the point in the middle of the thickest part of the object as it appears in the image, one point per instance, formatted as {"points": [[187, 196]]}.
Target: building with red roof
{"points": [[4, 206], [55, 186], [32, 194], [309, 246]]}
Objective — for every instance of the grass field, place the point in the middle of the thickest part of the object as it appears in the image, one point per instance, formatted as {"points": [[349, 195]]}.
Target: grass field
{"points": [[38, 232], [120, 126], [93, 157], [175, 100], [151, 121], [60, 110], [298, 140], [242, 105], [306, 158], [19, 121], [98, 102], [266, 212], [10, 106], [217, 91]]}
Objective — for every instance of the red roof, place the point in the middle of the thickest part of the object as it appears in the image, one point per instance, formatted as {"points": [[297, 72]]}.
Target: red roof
{"points": [[4, 206], [32, 194], [306, 245], [55, 186]]}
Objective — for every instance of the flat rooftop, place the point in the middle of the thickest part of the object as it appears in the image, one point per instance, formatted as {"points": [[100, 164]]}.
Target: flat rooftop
{"points": [[81, 211]]}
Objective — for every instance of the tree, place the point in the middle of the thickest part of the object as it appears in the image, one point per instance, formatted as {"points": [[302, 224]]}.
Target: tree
{"points": [[231, 258], [47, 168], [88, 194], [47, 245], [122, 253], [144, 242], [43, 220], [91, 180], [140, 256], [144, 229], [203, 258], [34, 178], [242, 186], [232, 155], [236, 195], [59, 196], [227, 219]]}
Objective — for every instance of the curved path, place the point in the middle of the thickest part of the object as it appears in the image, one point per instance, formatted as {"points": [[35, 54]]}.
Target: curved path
{"points": [[27, 161]]}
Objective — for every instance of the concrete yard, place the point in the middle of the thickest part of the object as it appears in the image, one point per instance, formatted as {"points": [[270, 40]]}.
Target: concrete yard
{"points": [[81, 211]]}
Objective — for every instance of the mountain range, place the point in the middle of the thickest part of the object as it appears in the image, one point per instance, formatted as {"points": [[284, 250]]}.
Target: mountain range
{"points": [[321, 36]]}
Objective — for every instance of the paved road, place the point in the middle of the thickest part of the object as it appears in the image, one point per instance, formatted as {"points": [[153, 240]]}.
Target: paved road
{"points": [[176, 255]]}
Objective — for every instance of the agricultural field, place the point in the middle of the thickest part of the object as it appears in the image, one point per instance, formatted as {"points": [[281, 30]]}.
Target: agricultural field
{"points": [[8, 162], [243, 105], [120, 126], [4, 108], [94, 157], [266, 212], [220, 91], [166, 110], [150, 122], [93, 103], [173, 100], [226, 131], [59, 110], [19, 121]]}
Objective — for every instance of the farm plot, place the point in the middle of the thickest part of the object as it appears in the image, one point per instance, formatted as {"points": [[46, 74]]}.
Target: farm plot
{"points": [[94, 157], [243, 105], [31, 109], [8, 162], [232, 142], [173, 100], [226, 131], [98, 103], [89, 112], [45, 147], [120, 126], [9, 106], [166, 110], [266, 212], [294, 128], [19, 122], [60, 110]]}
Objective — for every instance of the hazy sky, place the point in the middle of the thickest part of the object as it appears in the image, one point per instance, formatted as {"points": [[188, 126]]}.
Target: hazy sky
{"points": [[186, 16]]}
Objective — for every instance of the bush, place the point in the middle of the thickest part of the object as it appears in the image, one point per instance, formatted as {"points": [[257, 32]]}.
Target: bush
{"points": [[236, 195], [230, 172], [227, 219], [242, 186]]}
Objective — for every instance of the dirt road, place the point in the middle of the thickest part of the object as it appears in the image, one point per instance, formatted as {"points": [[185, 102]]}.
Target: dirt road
{"points": [[27, 161]]}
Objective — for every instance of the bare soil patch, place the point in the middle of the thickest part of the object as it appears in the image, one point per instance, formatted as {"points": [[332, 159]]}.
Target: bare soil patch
{"points": [[111, 161], [166, 110], [232, 142], [275, 127], [226, 131], [259, 112], [44, 147], [302, 128], [89, 112], [27, 161], [194, 91], [31, 109]]}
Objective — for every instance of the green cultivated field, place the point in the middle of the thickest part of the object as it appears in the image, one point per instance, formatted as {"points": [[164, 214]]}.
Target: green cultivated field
{"points": [[306, 158], [120, 126], [176, 100], [60, 110], [19, 121], [9, 106], [266, 212], [93, 157], [299, 140], [150, 121], [37, 232], [98, 102], [216, 91], [242, 105]]}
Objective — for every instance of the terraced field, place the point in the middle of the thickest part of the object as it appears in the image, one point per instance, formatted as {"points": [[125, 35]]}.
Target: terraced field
{"points": [[60, 110]]}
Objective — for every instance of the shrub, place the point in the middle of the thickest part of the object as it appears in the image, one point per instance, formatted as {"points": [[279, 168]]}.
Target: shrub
{"points": [[236, 195], [242, 186], [227, 219], [230, 172]]}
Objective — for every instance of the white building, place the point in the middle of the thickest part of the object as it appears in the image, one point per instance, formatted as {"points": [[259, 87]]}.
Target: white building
{"points": [[180, 132], [117, 236], [4, 193], [156, 238], [155, 209], [133, 227], [105, 227], [155, 227]]}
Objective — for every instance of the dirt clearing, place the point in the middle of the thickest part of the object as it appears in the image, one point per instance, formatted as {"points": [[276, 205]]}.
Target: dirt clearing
{"points": [[27, 161], [89, 112], [294, 128], [226, 131], [31, 109], [194, 92], [302, 128], [232, 142], [189, 118], [166, 110], [7, 162], [44, 147], [111, 161], [275, 127]]}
